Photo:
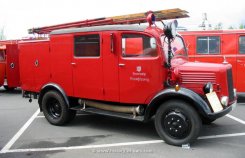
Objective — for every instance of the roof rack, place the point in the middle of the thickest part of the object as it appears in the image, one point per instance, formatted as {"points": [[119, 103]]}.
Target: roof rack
{"points": [[123, 19]]}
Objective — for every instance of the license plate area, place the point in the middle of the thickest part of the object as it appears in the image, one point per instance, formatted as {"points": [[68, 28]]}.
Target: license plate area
{"points": [[214, 102]]}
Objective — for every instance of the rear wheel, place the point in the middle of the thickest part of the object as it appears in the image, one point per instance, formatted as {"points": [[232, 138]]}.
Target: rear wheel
{"points": [[177, 123], [55, 109]]}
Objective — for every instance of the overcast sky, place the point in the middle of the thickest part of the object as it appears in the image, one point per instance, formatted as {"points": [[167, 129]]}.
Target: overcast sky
{"points": [[16, 16]]}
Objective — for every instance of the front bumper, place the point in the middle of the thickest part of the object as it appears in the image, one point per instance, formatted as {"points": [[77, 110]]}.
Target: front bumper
{"points": [[223, 112]]}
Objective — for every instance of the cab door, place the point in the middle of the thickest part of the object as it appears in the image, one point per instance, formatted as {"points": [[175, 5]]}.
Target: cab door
{"points": [[240, 82], [139, 68], [87, 66]]}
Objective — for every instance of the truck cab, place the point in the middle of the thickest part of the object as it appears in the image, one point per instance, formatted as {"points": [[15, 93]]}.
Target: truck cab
{"points": [[128, 71]]}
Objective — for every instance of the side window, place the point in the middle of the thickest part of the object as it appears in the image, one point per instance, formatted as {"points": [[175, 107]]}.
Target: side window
{"points": [[242, 44], [87, 45], [208, 45], [138, 45], [1, 55]]}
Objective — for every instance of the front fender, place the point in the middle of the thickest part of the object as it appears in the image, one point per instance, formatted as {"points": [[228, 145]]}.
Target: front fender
{"points": [[183, 94]]}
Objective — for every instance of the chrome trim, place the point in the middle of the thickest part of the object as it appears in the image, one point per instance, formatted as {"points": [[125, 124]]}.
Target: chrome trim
{"points": [[224, 101]]}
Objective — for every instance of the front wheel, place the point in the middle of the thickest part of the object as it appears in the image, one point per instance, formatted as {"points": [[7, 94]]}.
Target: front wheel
{"points": [[55, 109], [177, 123]]}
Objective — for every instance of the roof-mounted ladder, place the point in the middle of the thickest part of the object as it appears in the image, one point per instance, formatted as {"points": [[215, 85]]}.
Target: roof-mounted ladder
{"points": [[124, 19]]}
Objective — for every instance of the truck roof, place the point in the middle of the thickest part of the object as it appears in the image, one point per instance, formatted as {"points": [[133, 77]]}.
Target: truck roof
{"points": [[101, 28]]}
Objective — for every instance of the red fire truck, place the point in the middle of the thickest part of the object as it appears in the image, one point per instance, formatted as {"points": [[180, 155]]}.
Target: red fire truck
{"points": [[219, 47], [116, 67], [9, 65]]}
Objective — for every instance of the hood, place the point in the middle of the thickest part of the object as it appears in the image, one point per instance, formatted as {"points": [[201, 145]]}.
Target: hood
{"points": [[182, 65], [194, 75]]}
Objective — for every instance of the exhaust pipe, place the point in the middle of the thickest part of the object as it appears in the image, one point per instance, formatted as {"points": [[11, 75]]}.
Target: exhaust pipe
{"points": [[135, 110]]}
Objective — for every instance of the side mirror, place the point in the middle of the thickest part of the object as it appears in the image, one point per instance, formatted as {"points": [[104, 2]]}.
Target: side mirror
{"points": [[170, 29]]}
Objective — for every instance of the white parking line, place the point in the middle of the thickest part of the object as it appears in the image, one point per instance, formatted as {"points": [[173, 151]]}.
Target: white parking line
{"points": [[19, 133], [222, 136], [87, 146], [114, 144], [40, 117], [236, 119]]}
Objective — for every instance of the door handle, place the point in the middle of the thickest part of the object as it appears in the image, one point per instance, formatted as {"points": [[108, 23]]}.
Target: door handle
{"points": [[12, 65], [121, 65], [73, 63]]}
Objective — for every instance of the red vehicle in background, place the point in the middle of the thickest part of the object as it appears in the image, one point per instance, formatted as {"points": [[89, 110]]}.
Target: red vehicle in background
{"points": [[116, 67], [224, 46], [9, 64]]}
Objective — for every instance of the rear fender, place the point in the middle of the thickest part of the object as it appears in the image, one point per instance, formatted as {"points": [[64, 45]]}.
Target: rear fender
{"points": [[55, 87], [183, 94]]}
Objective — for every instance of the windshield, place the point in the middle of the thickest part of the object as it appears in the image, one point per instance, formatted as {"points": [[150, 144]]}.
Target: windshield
{"points": [[178, 46]]}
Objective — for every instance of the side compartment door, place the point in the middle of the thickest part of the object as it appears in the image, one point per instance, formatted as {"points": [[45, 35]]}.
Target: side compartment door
{"points": [[139, 68], [41, 64], [27, 58], [240, 83], [87, 66], [61, 48], [12, 66]]}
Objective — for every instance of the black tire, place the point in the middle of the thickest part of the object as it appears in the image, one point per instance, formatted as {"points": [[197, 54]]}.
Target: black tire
{"points": [[55, 109], [177, 123], [7, 88]]}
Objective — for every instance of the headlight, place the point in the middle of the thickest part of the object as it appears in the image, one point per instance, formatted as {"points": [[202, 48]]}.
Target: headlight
{"points": [[224, 100], [208, 88]]}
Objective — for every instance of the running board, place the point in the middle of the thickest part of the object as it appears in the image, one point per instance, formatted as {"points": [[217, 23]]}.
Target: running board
{"points": [[109, 113]]}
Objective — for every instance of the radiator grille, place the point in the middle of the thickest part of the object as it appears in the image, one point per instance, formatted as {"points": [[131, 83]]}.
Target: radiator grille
{"points": [[197, 77], [230, 84]]}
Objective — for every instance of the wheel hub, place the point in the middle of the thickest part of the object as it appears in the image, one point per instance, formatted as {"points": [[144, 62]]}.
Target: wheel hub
{"points": [[176, 125], [54, 109]]}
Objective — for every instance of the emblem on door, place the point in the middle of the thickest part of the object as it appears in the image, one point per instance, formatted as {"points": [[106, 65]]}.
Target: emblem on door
{"points": [[138, 68]]}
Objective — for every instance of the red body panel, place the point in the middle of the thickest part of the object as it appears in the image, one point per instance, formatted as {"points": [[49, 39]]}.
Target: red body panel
{"points": [[60, 59], [34, 65], [110, 72], [88, 70], [229, 51], [99, 78], [9, 67], [12, 66]]}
